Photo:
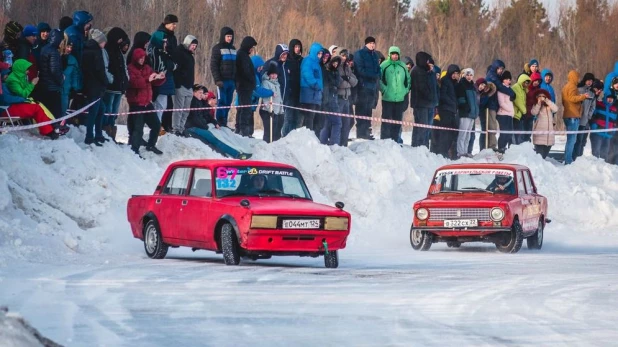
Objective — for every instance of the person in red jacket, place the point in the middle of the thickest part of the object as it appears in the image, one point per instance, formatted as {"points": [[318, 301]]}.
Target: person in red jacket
{"points": [[531, 100], [139, 96]]}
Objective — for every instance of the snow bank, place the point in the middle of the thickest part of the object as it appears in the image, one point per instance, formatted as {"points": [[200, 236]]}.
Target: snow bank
{"points": [[63, 201], [15, 331]]}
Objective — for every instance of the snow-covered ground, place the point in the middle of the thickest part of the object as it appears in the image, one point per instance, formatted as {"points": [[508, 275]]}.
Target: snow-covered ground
{"points": [[69, 265]]}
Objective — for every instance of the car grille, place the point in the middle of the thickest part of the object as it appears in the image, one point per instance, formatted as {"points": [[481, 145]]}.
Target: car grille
{"points": [[481, 214]]}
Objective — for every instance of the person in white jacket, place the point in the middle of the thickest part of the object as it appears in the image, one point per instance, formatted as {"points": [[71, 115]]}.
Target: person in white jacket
{"points": [[270, 81]]}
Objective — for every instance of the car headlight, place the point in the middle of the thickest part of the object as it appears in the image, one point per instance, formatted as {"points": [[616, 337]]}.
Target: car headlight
{"points": [[336, 223], [422, 214], [264, 222], [497, 214]]}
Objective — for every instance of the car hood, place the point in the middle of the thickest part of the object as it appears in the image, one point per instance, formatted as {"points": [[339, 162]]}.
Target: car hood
{"points": [[465, 200], [286, 206]]}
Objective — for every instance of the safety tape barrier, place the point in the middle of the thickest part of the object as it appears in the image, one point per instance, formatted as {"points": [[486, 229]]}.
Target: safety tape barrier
{"points": [[373, 119]]}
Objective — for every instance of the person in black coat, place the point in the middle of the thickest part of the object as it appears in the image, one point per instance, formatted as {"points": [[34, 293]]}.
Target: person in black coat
{"points": [[118, 45], [447, 110], [245, 83], [184, 77], [94, 85], [51, 74], [293, 118], [423, 97], [223, 69]]}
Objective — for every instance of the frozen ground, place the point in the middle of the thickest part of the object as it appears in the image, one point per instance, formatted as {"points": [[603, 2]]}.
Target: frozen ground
{"points": [[69, 265]]}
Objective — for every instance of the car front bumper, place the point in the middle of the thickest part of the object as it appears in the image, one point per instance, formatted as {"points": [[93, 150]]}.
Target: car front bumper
{"points": [[298, 241], [460, 232]]}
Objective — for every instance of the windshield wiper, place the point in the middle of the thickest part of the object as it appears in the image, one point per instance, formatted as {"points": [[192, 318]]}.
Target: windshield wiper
{"points": [[448, 191], [478, 189], [268, 192], [235, 194]]}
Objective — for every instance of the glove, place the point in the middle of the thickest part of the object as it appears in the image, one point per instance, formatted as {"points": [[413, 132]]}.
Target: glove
{"points": [[219, 84], [346, 78]]}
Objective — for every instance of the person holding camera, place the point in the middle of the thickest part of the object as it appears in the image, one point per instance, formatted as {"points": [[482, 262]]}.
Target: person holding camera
{"points": [[543, 110]]}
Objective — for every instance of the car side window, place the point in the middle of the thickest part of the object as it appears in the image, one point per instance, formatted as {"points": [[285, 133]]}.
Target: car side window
{"points": [[178, 181], [529, 187], [201, 185], [521, 188]]}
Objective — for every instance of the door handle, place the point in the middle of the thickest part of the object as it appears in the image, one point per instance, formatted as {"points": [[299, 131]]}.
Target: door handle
{"points": [[185, 202], [158, 201]]}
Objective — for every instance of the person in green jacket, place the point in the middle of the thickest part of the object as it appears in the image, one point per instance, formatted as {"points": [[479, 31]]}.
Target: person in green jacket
{"points": [[18, 82], [521, 90], [394, 85]]}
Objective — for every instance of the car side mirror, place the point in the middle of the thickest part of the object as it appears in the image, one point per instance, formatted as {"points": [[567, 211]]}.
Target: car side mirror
{"points": [[244, 203], [340, 205]]}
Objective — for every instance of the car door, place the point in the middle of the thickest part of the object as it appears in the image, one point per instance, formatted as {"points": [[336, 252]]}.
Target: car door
{"points": [[526, 201], [535, 209], [170, 202], [194, 222]]}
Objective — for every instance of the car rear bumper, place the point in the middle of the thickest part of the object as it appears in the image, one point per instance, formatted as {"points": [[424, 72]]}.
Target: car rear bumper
{"points": [[300, 241], [459, 232]]}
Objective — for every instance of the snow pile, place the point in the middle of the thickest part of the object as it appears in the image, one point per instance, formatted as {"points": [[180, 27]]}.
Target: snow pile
{"points": [[15, 331], [61, 200]]}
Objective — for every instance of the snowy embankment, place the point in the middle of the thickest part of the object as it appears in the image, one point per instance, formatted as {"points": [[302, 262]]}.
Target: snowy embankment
{"points": [[62, 201]]}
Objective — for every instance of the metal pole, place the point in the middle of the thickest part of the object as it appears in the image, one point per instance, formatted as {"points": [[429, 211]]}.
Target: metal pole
{"points": [[271, 120], [486, 128]]}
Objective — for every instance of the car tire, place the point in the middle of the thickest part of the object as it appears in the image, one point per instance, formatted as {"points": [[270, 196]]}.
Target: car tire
{"points": [[153, 243], [513, 240], [453, 244], [229, 245], [331, 260], [536, 241], [421, 240]]}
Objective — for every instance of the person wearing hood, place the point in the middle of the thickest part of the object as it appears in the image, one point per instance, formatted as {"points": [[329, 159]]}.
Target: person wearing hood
{"points": [[333, 50], [51, 74], [610, 76], [21, 107], [160, 56], [520, 89], [271, 81], [604, 117], [585, 86], [423, 97], [245, 84], [447, 110], [223, 69], [488, 92], [368, 73], [543, 112], [468, 108], [281, 58], [330, 133], [494, 71], [70, 71], [117, 46], [25, 49], [95, 83], [394, 85], [141, 40], [311, 84], [17, 81], [184, 79], [82, 23], [344, 93], [139, 96], [320, 118], [42, 40], [293, 118], [259, 92], [572, 101], [547, 77]]}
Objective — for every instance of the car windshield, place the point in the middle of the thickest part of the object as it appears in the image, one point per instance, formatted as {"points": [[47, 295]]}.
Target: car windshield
{"points": [[461, 181], [260, 181]]}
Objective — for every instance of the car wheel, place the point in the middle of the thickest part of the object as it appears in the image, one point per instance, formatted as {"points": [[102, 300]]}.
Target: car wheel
{"points": [[331, 259], [536, 241], [229, 245], [453, 244], [153, 243], [420, 240], [511, 241]]}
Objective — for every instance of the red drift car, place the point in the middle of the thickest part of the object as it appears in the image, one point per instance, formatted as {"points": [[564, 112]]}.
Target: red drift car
{"points": [[496, 203], [238, 208]]}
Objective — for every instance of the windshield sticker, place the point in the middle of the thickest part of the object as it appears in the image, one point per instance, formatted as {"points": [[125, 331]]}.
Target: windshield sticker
{"points": [[501, 172], [223, 172], [223, 183]]}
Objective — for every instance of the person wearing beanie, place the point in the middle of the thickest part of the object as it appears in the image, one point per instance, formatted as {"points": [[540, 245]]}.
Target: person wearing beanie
{"points": [[368, 73], [168, 28], [585, 86], [447, 109], [65, 22], [506, 111], [12, 34], [25, 50], [95, 81], [423, 97], [572, 101], [468, 108], [139, 97], [199, 116], [184, 78]]}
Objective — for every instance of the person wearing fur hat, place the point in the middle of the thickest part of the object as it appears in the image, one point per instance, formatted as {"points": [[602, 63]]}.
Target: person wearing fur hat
{"points": [[95, 83], [368, 73], [468, 109], [394, 85], [270, 81], [506, 111], [543, 111], [184, 78]]}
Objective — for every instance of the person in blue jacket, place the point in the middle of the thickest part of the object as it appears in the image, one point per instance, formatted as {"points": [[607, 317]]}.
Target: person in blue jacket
{"points": [[82, 23], [610, 76], [368, 73], [547, 77], [311, 84]]}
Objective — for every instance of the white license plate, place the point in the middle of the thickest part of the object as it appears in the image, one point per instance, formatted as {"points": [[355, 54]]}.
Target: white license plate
{"points": [[301, 224], [461, 223]]}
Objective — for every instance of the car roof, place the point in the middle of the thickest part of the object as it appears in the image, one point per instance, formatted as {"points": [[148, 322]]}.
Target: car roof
{"points": [[211, 163], [513, 167]]}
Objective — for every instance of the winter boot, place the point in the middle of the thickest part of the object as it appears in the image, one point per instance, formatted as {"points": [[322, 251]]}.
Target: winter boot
{"points": [[113, 130]]}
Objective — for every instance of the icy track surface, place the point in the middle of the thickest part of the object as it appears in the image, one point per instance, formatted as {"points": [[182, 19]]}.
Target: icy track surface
{"points": [[69, 265]]}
